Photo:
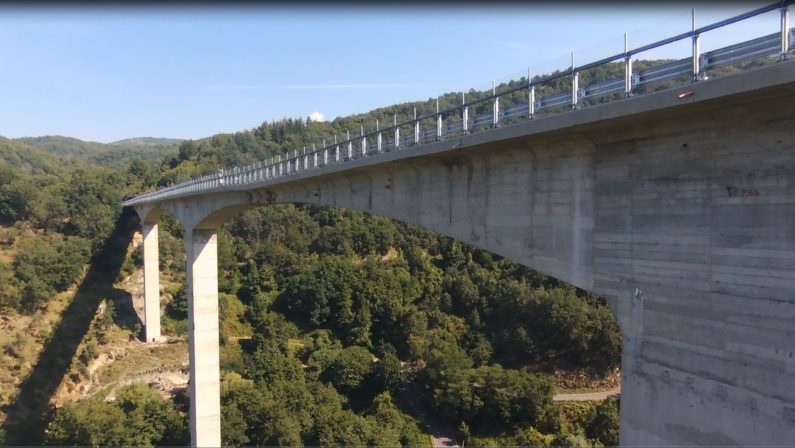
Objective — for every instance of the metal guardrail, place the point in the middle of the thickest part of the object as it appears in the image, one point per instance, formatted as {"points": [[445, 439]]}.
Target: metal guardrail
{"points": [[412, 134]]}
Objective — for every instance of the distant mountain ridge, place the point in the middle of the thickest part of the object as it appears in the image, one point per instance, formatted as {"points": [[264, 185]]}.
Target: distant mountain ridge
{"points": [[79, 151], [147, 141], [63, 146], [28, 158]]}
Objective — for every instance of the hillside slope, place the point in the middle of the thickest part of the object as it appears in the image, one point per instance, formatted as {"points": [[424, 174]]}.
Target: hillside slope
{"points": [[147, 141], [28, 159], [76, 151]]}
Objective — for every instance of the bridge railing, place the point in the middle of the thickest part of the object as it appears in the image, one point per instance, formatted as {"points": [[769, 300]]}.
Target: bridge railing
{"points": [[521, 102]]}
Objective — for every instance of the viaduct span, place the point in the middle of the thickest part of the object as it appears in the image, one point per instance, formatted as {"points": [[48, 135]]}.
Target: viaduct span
{"points": [[676, 206]]}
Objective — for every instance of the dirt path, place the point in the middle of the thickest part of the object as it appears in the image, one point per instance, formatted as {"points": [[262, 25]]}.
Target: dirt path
{"points": [[165, 382], [587, 396]]}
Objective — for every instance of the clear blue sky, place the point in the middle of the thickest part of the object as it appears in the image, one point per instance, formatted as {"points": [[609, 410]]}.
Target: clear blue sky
{"points": [[104, 74]]}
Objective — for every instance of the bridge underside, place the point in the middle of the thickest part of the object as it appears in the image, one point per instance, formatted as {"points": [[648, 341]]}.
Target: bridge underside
{"points": [[681, 215]]}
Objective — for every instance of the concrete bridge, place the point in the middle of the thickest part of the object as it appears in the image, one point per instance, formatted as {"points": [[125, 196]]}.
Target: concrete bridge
{"points": [[677, 206]]}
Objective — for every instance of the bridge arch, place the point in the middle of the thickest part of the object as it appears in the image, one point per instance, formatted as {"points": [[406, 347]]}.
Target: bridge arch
{"points": [[524, 203]]}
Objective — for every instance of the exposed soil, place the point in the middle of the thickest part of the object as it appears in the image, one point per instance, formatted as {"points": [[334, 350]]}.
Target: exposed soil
{"points": [[575, 381]]}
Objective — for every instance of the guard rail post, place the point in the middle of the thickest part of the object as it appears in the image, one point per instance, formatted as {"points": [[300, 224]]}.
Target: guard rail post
{"points": [[416, 129], [495, 119], [575, 81], [438, 122], [464, 114], [397, 134], [378, 129], [627, 68], [696, 47], [350, 146], [785, 43], [531, 95], [364, 141]]}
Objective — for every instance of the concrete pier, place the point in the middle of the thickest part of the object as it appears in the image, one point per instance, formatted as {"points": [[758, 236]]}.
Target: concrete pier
{"points": [[205, 388], [151, 282]]}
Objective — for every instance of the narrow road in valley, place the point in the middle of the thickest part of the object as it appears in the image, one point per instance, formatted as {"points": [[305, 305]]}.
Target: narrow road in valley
{"points": [[444, 437], [587, 396]]}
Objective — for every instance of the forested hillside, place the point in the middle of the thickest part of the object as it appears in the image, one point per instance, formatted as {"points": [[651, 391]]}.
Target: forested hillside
{"points": [[334, 323], [26, 159], [147, 141], [116, 154]]}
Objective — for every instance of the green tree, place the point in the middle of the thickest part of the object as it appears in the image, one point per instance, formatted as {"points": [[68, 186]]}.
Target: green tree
{"points": [[530, 436], [88, 423], [233, 426], [269, 363], [604, 426], [324, 292], [492, 397], [444, 359], [390, 373], [9, 295], [571, 440], [177, 308], [392, 427], [16, 196], [138, 417], [34, 293], [149, 419], [336, 427], [93, 204], [44, 269], [187, 150], [138, 168], [352, 368]]}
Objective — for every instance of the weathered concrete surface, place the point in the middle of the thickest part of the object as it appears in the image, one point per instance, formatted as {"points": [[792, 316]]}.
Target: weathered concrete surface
{"points": [[680, 212], [698, 213]]}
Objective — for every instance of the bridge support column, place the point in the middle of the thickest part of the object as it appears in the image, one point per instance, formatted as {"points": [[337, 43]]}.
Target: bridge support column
{"points": [[151, 283], [205, 388]]}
